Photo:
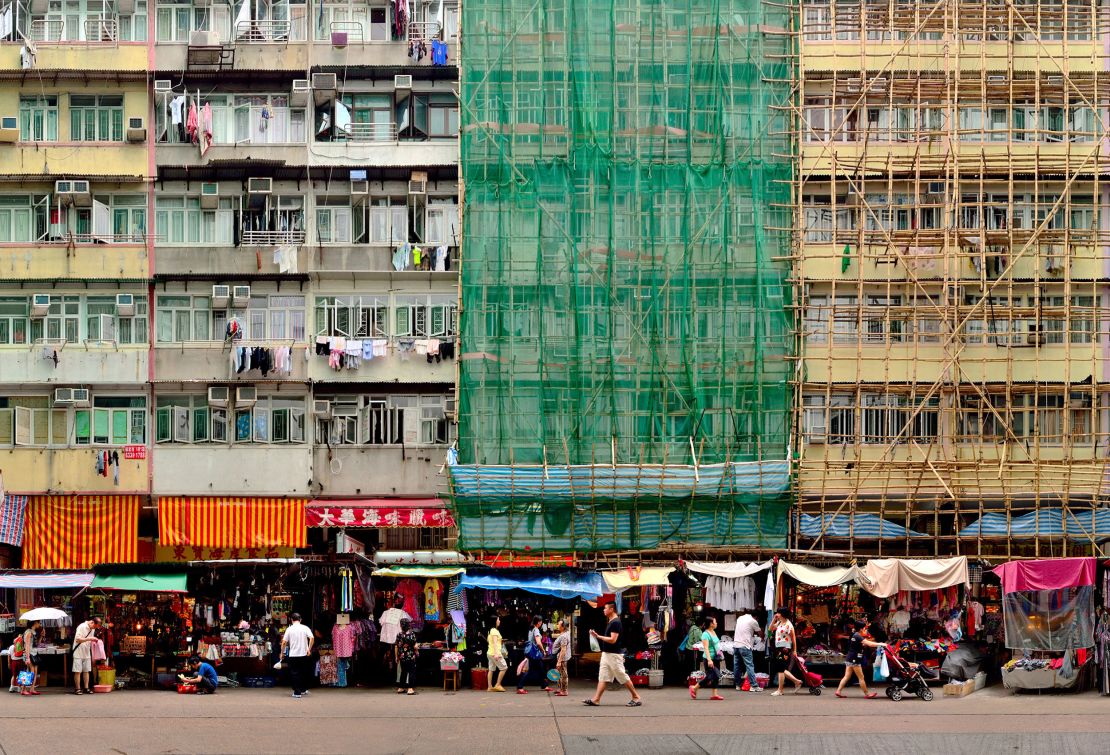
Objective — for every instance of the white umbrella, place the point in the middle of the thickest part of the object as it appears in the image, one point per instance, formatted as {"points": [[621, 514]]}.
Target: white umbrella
{"points": [[51, 616]]}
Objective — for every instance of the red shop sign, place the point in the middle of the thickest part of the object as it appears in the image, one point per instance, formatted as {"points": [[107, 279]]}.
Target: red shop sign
{"points": [[134, 452]]}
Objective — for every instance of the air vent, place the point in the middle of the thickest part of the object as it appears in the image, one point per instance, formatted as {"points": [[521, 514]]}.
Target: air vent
{"points": [[218, 396], [221, 296], [209, 196]]}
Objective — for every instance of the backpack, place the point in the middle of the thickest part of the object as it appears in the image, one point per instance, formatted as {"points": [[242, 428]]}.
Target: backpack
{"points": [[18, 647]]}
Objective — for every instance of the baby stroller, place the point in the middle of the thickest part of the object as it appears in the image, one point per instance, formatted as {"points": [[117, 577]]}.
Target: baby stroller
{"points": [[908, 678], [809, 678]]}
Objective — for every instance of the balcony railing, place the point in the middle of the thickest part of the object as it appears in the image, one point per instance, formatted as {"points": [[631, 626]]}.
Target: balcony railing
{"points": [[272, 238], [101, 30], [48, 30], [361, 133], [263, 31], [92, 30], [424, 29]]}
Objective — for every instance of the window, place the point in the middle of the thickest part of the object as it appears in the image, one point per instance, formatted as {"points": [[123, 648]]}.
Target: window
{"points": [[274, 317], [128, 217], [176, 20], [103, 324], [442, 226], [425, 316], [372, 118], [184, 318], [352, 316], [38, 119], [30, 421], [23, 217], [425, 116], [62, 322], [13, 320], [96, 118], [443, 116], [271, 420], [189, 419], [389, 221], [385, 421], [337, 222], [180, 220], [112, 420]]}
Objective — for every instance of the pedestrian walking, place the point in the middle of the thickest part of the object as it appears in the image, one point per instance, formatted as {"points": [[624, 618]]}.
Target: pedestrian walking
{"points": [[855, 659], [495, 657], [532, 665], [747, 629], [30, 658], [612, 659], [711, 650], [296, 645], [406, 651], [83, 639], [562, 652], [786, 645]]}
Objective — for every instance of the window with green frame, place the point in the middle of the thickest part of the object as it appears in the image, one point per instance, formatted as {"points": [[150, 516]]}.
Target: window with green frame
{"points": [[112, 421], [38, 119], [96, 118]]}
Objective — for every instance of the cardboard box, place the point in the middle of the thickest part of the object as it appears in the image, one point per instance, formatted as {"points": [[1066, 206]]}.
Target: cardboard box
{"points": [[959, 689]]}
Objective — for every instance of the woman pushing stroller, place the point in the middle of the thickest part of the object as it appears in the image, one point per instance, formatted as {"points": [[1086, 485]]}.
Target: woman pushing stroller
{"points": [[855, 659]]}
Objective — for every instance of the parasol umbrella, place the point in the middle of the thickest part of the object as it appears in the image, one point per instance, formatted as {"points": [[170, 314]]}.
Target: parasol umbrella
{"points": [[48, 616]]}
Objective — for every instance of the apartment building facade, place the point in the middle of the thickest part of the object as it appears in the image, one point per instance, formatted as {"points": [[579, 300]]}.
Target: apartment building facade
{"points": [[229, 240], [950, 266]]}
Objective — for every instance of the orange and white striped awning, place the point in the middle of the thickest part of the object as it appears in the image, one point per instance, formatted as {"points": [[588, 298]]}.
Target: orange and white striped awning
{"points": [[232, 522], [79, 531]]}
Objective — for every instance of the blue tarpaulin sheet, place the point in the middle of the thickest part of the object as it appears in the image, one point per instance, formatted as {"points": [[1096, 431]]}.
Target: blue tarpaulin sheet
{"points": [[588, 585]]}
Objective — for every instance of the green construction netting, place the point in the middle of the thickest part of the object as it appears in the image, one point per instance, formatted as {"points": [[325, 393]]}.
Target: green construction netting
{"points": [[626, 205]]}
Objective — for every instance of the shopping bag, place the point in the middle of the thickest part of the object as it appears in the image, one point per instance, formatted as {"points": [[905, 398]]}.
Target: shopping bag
{"points": [[595, 646], [25, 678]]}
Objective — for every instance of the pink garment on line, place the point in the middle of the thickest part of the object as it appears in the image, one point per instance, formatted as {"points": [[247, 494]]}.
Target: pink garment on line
{"points": [[1046, 574]]}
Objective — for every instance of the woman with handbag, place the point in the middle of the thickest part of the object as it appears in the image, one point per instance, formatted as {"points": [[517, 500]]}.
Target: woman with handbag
{"points": [[711, 649], [533, 664], [855, 659]]}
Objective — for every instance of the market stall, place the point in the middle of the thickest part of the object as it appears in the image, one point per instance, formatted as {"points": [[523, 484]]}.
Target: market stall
{"points": [[732, 588], [647, 600], [23, 590], [1048, 610]]}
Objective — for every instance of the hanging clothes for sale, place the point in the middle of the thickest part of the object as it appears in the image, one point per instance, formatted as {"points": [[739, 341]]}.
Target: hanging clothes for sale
{"points": [[432, 591]]}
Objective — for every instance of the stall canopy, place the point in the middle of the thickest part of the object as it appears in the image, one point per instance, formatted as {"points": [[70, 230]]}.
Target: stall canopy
{"points": [[586, 585], [856, 526], [1078, 525], [379, 512], [44, 580], [817, 577], [1049, 604], [636, 576], [1046, 574], [728, 570], [79, 531], [430, 572], [232, 522], [889, 576], [149, 582]]}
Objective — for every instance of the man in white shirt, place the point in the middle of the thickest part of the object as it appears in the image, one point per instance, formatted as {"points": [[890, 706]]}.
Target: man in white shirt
{"points": [[296, 645], [747, 629], [83, 639], [391, 627]]}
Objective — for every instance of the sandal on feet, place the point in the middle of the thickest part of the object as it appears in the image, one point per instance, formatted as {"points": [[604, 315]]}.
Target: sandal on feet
{"points": [[634, 703], [591, 702], [840, 695]]}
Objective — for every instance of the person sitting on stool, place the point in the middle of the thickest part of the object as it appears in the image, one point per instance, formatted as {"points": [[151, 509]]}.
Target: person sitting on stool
{"points": [[205, 679]]}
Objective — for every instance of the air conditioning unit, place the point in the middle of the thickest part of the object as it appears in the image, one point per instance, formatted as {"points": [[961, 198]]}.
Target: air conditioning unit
{"points": [[136, 130], [40, 305], [163, 86], [9, 129], [209, 196], [125, 305], [71, 397], [246, 395], [360, 192], [324, 88], [204, 39], [260, 186], [321, 409], [344, 410], [218, 396], [221, 296], [71, 192], [402, 81], [299, 96], [339, 39], [418, 182], [125, 7], [240, 296]]}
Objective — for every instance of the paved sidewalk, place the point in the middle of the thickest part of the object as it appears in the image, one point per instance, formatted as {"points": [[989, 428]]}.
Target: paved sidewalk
{"points": [[379, 721]]}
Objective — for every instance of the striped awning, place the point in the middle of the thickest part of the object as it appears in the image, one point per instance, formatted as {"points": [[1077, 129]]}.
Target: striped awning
{"points": [[51, 580], [232, 522], [379, 512], [13, 515], [1088, 525], [79, 531], [864, 527]]}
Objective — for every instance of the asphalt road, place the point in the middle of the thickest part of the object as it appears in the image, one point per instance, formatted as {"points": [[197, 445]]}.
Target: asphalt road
{"points": [[379, 721]]}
